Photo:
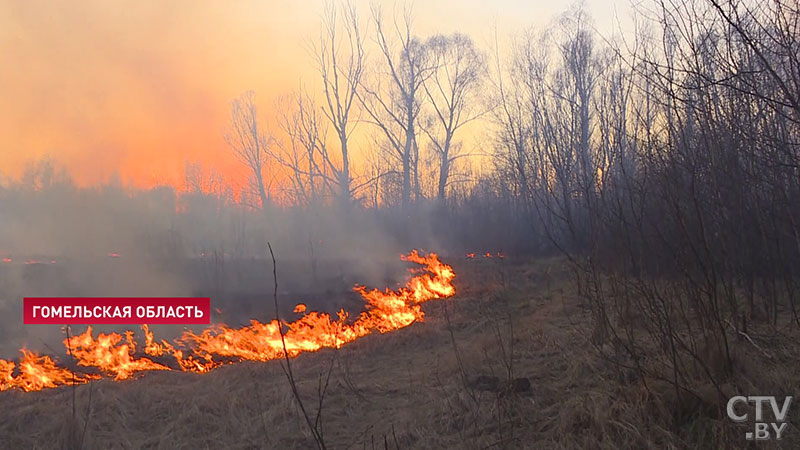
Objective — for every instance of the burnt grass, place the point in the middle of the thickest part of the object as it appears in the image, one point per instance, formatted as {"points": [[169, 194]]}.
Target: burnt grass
{"points": [[506, 363]]}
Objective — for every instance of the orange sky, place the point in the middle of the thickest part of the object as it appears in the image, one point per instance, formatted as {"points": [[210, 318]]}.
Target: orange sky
{"points": [[142, 87]]}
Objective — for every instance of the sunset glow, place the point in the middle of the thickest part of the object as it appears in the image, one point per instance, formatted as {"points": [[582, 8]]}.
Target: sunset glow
{"points": [[140, 91]]}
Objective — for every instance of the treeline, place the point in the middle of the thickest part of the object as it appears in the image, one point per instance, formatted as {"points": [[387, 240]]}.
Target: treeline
{"points": [[662, 162], [408, 102], [665, 166]]}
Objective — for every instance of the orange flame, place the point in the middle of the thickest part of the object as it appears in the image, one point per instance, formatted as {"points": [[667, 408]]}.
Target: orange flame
{"points": [[37, 373], [115, 354], [107, 354]]}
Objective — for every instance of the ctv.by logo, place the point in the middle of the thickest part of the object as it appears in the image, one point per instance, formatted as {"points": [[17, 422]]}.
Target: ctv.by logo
{"points": [[762, 431]]}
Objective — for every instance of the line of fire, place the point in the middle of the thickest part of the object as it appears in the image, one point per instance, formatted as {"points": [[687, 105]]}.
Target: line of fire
{"points": [[115, 354]]}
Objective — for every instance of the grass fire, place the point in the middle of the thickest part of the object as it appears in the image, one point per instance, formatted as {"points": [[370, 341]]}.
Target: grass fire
{"points": [[116, 354], [202, 204]]}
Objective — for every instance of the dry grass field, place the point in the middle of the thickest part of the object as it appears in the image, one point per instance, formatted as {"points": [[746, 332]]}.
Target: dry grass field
{"points": [[506, 363]]}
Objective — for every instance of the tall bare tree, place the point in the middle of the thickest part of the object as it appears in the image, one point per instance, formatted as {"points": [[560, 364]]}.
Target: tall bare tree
{"points": [[340, 61], [457, 70], [575, 85], [250, 142], [305, 152], [394, 106]]}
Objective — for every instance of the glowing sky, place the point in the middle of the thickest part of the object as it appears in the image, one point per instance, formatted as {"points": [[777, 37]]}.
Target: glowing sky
{"points": [[140, 88]]}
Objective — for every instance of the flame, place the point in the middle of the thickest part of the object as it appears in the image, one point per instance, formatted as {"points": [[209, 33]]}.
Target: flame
{"points": [[7, 259], [113, 255], [108, 354], [37, 373], [115, 354], [6, 374], [498, 254]]}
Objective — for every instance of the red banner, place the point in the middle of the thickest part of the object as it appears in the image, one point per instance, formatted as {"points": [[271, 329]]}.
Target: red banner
{"points": [[117, 310]]}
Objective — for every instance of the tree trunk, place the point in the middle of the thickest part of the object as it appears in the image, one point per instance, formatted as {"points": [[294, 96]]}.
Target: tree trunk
{"points": [[417, 189], [444, 170], [344, 176], [407, 159], [406, 194], [262, 192]]}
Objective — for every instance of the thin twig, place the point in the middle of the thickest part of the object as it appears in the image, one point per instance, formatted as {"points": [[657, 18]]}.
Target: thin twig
{"points": [[288, 370]]}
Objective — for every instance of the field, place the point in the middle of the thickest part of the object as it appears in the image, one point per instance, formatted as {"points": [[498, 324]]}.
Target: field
{"points": [[506, 363]]}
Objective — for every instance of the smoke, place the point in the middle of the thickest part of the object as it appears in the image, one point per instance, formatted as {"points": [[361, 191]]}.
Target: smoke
{"points": [[61, 240]]}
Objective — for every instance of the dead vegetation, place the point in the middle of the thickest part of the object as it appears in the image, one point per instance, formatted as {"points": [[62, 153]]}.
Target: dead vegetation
{"points": [[507, 363]]}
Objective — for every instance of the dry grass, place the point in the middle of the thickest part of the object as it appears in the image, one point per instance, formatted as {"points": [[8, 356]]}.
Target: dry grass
{"points": [[411, 389]]}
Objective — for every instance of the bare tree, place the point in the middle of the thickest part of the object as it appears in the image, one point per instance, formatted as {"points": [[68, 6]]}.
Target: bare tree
{"points": [[250, 142], [341, 65], [394, 107], [305, 152], [577, 82], [457, 71]]}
